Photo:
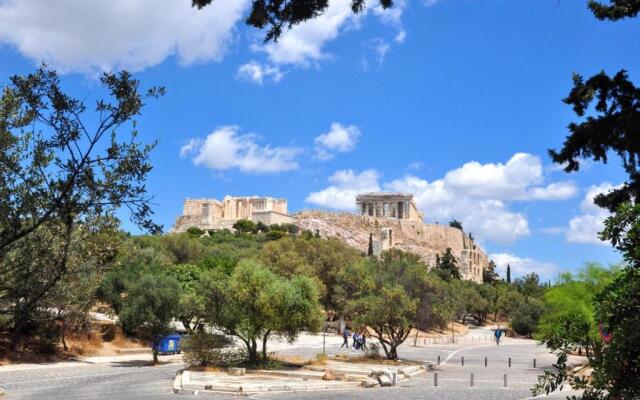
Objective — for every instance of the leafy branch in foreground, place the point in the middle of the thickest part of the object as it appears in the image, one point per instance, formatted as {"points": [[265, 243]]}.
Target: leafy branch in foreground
{"points": [[59, 170], [277, 15]]}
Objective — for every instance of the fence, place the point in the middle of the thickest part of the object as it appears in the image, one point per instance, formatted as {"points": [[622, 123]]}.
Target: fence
{"points": [[472, 381], [452, 340]]}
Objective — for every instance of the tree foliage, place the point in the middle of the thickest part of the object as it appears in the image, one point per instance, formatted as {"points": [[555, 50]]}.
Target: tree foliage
{"points": [[447, 266], [489, 274], [617, 9], [278, 15], [252, 303], [149, 306], [454, 223], [318, 259], [384, 294], [610, 109], [614, 127], [63, 173]]}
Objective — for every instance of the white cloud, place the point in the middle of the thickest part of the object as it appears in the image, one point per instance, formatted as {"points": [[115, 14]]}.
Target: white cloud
{"points": [[340, 138], [476, 194], [487, 218], [554, 191], [345, 186], [584, 228], [304, 44], [380, 48], [255, 72], [522, 266], [514, 180], [225, 148], [553, 230], [96, 35], [189, 147], [400, 37]]}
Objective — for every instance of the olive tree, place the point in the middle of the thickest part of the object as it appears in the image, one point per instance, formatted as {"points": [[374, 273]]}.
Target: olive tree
{"points": [[252, 303], [62, 166]]}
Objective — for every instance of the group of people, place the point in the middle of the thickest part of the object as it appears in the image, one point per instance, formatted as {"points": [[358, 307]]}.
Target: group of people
{"points": [[359, 339]]}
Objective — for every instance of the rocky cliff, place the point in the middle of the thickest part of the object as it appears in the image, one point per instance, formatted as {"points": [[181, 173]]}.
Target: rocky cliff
{"points": [[425, 240]]}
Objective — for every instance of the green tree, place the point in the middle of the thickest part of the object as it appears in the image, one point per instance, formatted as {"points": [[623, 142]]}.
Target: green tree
{"points": [[447, 266], [384, 295], [508, 302], [529, 285], [610, 111], [370, 248], [489, 274], [569, 307], [454, 223], [253, 303], [508, 273], [525, 319], [316, 258], [61, 168], [191, 310], [150, 306], [244, 226]]}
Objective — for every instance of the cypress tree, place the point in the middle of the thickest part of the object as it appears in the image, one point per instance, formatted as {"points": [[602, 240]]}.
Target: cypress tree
{"points": [[508, 273], [370, 251]]}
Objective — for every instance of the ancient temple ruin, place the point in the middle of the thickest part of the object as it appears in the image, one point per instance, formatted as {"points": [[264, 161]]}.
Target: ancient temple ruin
{"points": [[215, 214], [391, 220], [388, 205]]}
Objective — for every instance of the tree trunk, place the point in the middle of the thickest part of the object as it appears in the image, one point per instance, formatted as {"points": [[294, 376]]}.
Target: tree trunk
{"points": [[252, 349], [155, 343], [264, 347], [64, 342], [393, 352]]}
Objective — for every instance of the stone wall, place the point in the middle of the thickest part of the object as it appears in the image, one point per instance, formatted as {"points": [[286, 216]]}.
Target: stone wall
{"points": [[222, 214]]}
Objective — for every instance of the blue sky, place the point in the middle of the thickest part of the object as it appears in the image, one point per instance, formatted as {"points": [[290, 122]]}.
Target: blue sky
{"points": [[456, 101]]}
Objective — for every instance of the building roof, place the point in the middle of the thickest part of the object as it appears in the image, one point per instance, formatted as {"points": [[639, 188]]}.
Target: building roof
{"points": [[406, 196]]}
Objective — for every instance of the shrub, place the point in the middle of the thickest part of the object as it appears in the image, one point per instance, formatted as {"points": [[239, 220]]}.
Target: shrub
{"points": [[526, 317], [204, 348], [373, 351], [194, 231]]}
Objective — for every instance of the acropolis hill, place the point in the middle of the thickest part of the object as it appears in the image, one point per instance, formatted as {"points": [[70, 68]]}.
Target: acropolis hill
{"points": [[392, 219]]}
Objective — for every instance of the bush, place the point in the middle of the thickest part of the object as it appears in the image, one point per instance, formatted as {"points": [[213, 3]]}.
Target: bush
{"points": [[526, 317], [275, 235], [373, 351], [204, 348], [245, 226], [195, 232]]}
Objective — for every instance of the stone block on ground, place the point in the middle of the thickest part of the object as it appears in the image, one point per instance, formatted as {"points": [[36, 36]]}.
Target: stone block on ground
{"points": [[233, 371], [385, 380], [328, 375], [369, 383]]}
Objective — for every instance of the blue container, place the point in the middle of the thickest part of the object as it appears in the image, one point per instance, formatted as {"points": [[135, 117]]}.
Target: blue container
{"points": [[169, 344]]}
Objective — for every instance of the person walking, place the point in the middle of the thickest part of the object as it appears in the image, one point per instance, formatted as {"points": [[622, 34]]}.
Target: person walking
{"points": [[345, 336], [363, 339], [498, 334]]}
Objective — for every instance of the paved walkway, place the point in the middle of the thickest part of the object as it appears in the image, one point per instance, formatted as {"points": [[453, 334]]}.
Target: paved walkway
{"points": [[130, 378]]}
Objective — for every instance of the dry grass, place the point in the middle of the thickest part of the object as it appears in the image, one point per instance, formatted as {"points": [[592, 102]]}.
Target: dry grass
{"points": [[120, 340], [200, 368], [85, 345]]}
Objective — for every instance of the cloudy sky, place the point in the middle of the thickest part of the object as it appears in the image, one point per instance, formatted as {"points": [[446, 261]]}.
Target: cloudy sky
{"points": [[455, 101]]}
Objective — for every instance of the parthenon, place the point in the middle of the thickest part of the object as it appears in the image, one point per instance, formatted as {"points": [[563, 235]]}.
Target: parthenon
{"points": [[388, 205]]}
